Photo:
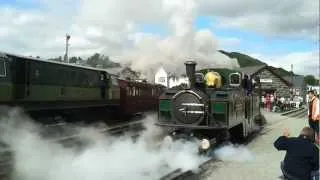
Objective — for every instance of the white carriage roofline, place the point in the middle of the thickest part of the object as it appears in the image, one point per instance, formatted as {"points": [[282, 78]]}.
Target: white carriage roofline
{"points": [[55, 62]]}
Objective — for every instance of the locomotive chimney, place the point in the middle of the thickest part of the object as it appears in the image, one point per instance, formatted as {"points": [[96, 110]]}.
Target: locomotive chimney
{"points": [[191, 70]]}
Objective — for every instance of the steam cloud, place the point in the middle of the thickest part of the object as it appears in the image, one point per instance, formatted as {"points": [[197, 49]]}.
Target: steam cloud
{"points": [[232, 152], [36, 158], [149, 52]]}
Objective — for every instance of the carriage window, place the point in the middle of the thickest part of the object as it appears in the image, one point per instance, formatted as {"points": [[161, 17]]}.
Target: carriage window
{"points": [[3, 72], [133, 91]]}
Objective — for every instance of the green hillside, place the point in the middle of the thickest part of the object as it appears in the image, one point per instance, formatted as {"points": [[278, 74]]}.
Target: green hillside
{"points": [[245, 61]]}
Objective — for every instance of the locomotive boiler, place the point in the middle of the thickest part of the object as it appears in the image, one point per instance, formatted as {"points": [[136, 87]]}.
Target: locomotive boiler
{"points": [[218, 104]]}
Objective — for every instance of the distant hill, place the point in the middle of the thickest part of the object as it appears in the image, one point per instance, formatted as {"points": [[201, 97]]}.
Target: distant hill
{"points": [[245, 61]]}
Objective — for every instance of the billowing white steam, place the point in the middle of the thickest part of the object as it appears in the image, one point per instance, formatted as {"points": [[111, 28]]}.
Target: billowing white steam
{"points": [[104, 158], [232, 152], [149, 52]]}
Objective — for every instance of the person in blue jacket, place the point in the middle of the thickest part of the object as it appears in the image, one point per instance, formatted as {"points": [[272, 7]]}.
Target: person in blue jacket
{"points": [[301, 161]]}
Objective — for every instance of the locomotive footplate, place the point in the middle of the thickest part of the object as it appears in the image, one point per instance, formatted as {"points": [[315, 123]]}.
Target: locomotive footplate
{"points": [[217, 127]]}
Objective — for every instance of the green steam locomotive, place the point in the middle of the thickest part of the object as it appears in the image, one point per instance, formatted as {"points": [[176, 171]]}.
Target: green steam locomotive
{"points": [[218, 104]]}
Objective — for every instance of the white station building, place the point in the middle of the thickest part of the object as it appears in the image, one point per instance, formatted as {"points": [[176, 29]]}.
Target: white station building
{"points": [[163, 78]]}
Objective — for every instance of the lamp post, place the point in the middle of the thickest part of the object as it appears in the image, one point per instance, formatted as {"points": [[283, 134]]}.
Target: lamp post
{"points": [[292, 82], [66, 59]]}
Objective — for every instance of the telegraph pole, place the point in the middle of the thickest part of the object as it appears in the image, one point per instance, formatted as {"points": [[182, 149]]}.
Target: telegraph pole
{"points": [[292, 83], [318, 57], [66, 59]]}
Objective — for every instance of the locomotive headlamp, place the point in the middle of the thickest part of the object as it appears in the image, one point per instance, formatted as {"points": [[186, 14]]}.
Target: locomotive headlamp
{"points": [[204, 144]]}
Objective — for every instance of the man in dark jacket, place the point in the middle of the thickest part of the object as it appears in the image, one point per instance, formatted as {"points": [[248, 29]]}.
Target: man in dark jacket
{"points": [[302, 156]]}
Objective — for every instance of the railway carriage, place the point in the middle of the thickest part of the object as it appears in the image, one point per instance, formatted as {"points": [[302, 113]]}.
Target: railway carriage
{"points": [[29, 81], [138, 96], [36, 84], [215, 106]]}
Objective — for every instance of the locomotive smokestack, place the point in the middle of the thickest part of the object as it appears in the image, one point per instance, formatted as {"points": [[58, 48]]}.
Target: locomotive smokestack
{"points": [[191, 70]]}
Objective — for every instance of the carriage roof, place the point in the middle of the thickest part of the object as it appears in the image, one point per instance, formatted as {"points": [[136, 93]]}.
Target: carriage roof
{"points": [[5, 54]]}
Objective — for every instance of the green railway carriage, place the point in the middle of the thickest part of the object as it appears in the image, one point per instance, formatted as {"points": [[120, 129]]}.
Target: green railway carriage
{"points": [[35, 83], [216, 105]]}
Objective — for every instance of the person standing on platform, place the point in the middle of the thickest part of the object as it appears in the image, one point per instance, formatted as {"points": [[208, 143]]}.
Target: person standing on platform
{"points": [[268, 102], [314, 114]]}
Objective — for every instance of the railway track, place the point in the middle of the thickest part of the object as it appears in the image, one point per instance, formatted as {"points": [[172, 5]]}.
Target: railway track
{"points": [[298, 113], [179, 174], [6, 155]]}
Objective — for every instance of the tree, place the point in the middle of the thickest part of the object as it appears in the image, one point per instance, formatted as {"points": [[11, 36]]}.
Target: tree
{"points": [[93, 61], [73, 59], [127, 72], [102, 60], [310, 80], [59, 59]]}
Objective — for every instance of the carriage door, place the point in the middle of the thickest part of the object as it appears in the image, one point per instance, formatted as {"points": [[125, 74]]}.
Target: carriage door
{"points": [[103, 84], [21, 78]]}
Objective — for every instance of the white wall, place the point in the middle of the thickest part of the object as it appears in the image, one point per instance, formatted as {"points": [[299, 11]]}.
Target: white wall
{"points": [[175, 81], [161, 77]]}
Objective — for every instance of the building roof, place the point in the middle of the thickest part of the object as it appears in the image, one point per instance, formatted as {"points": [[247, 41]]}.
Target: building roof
{"points": [[298, 81], [253, 70], [161, 71]]}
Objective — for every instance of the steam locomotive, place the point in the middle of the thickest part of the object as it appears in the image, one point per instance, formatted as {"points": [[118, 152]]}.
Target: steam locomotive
{"points": [[219, 104]]}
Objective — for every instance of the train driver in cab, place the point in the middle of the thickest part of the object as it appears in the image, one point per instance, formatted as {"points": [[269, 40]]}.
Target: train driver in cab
{"points": [[247, 84]]}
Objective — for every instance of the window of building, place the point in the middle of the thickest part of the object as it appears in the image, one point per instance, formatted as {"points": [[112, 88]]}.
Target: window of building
{"points": [[162, 79], [3, 72]]}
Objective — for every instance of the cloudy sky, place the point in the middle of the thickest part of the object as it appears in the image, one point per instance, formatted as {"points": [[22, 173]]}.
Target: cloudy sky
{"points": [[277, 32]]}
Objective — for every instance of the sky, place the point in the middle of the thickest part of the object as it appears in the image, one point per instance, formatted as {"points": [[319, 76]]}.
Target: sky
{"points": [[279, 33]]}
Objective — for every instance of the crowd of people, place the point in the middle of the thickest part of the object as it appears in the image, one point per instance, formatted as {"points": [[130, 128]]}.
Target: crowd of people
{"points": [[301, 161], [274, 103]]}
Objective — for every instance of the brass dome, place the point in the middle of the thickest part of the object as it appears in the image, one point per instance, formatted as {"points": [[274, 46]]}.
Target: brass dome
{"points": [[213, 79]]}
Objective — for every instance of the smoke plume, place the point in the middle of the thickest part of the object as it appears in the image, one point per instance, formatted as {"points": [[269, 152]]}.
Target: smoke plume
{"points": [[184, 43]]}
